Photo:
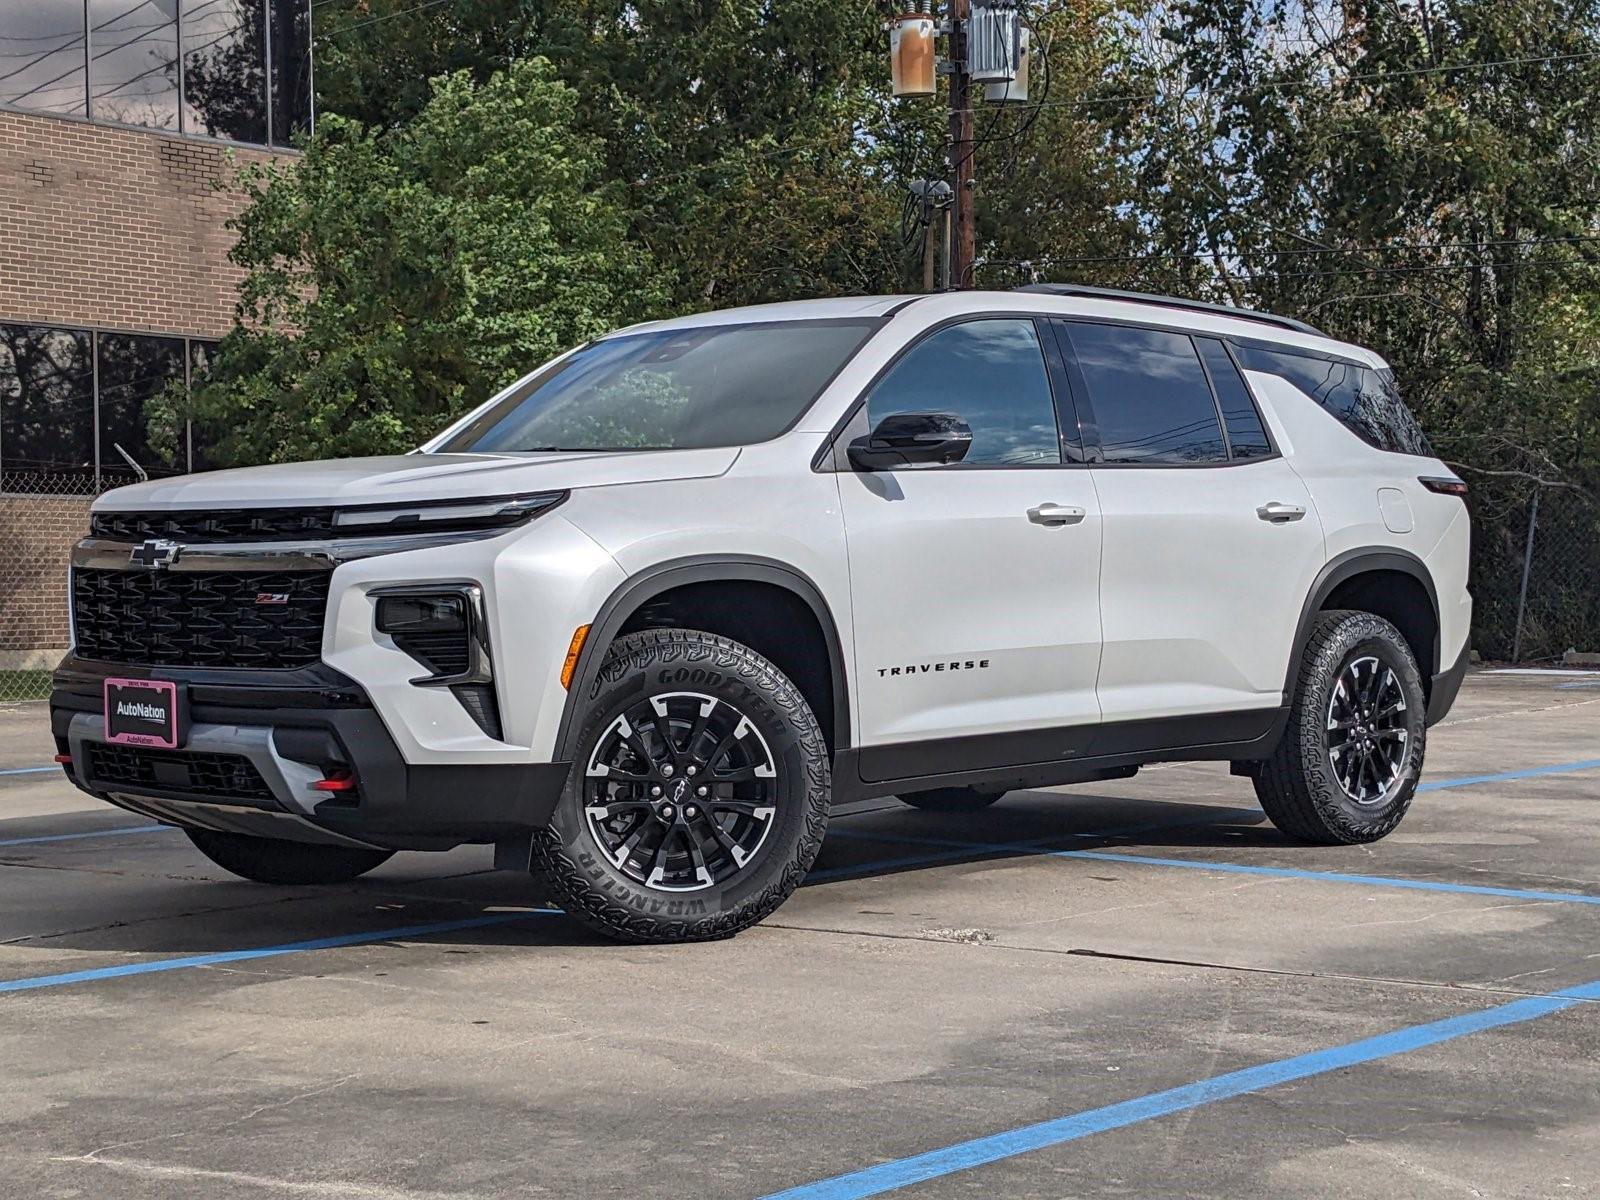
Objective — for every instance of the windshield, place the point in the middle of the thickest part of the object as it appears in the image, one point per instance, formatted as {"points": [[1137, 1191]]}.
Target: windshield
{"points": [[718, 385]]}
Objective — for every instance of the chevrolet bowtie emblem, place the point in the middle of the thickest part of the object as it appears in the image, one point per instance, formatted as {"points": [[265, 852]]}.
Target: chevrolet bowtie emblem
{"points": [[156, 554]]}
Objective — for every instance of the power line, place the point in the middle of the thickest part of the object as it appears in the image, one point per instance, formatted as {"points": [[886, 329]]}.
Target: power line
{"points": [[1534, 264], [1376, 248], [1279, 85], [404, 12]]}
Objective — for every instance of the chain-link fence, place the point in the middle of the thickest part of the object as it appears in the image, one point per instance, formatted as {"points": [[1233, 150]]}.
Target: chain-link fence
{"points": [[1535, 567], [41, 516]]}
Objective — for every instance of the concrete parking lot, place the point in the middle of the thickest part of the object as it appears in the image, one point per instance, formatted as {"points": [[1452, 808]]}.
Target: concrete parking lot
{"points": [[1135, 988]]}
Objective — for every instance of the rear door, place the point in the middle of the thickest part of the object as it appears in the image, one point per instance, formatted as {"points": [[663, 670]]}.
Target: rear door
{"points": [[1211, 539], [975, 586]]}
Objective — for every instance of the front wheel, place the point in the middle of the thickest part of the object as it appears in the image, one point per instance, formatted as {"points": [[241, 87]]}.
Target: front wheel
{"points": [[1347, 765], [698, 797], [273, 860]]}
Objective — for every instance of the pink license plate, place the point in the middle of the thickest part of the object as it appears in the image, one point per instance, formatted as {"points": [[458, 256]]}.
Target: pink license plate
{"points": [[144, 712]]}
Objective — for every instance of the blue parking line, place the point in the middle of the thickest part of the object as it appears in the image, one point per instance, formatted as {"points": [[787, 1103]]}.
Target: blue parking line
{"points": [[234, 956], [120, 831], [26, 770], [1419, 885], [956, 849], [1528, 773], [963, 1156]]}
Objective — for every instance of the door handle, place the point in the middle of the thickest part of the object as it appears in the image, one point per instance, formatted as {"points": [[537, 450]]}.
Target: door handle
{"points": [[1055, 514], [1280, 514]]}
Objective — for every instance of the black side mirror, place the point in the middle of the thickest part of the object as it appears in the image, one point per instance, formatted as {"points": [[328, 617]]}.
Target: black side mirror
{"points": [[903, 439]]}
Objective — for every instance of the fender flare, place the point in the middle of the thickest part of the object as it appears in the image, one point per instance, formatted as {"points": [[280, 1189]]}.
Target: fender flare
{"points": [[651, 582], [1346, 566]]}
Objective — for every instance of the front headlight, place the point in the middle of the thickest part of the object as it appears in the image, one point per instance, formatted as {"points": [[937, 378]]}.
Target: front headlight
{"points": [[444, 516]]}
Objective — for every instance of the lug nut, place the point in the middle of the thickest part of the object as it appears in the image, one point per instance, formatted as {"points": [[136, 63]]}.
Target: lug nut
{"points": [[666, 771], [702, 790], [655, 789], [690, 811], [693, 770], [666, 810]]}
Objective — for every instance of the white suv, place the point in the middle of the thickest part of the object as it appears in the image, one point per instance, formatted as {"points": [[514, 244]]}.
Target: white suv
{"points": [[641, 618]]}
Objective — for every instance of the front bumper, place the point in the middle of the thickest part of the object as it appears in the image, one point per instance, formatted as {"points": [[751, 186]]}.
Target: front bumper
{"points": [[291, 729]]}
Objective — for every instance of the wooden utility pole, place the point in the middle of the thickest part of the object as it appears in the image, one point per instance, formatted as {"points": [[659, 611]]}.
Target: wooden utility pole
{"points": [[963, 242]]}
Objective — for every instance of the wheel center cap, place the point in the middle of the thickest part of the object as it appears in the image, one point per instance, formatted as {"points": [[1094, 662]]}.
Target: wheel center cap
{"points": [[679, 790]]}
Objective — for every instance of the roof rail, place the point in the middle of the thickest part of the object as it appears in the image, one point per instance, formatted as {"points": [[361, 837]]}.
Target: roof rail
{"points": [[1221, 310]]}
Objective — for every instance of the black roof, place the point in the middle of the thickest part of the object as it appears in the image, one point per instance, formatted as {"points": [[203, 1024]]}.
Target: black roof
{"points": [[1221, 310]]}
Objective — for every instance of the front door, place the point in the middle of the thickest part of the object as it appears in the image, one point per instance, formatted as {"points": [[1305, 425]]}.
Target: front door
{"points": [[975, 586]]}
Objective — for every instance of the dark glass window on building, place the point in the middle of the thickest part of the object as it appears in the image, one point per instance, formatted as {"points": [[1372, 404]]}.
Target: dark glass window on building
{"points": [[133, 62], [235, 69], [46, 410], [60, 434], [225, 69], [291, 70], [1151, 399], [135, 371], [42, 59]]}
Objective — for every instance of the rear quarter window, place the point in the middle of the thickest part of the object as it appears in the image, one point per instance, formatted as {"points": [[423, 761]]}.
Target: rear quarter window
{"points": [[1366, 401]]}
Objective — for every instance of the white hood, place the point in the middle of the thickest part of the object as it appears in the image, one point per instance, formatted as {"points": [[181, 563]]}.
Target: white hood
{"points": [[404, 477]]}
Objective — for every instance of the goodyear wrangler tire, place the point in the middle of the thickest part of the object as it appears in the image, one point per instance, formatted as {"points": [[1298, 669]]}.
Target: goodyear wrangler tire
{"points": [[698, 796], [1347, 765]]}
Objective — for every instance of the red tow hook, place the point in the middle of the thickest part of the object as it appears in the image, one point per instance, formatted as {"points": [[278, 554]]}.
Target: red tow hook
{"points": [[64, 759], [339, 781]]}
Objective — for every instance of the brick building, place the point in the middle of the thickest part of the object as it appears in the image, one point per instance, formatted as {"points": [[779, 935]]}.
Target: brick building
{"points": [[118, 120]]}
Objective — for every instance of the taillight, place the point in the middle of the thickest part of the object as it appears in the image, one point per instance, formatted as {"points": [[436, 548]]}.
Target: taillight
{"points": [[1445, 485]]}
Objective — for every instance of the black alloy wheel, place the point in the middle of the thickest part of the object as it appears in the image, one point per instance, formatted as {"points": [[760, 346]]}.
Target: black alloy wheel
{"points": [[679, 791], [1367, 730]]}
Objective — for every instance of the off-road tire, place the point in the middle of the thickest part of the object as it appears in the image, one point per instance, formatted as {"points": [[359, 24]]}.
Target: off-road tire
{"points": [[1297, 785], [273, 860], [579, 875], [950, 799]]}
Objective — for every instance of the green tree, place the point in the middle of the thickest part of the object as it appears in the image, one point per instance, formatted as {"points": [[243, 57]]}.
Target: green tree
{"points": [[1421, 178], [395, 277], [746, 135]]}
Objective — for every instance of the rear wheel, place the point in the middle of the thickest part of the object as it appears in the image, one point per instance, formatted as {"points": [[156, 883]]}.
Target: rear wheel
{"points": [[951, 799], [272, 860], [1347, 765], [698, 797]]}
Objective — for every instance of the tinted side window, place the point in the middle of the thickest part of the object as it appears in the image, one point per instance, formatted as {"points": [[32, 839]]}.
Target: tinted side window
{"points": [[1247, 436], [1149, 393], [1367, 401], [991, 373]]}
